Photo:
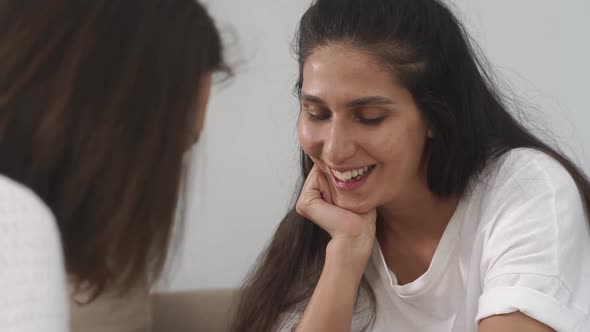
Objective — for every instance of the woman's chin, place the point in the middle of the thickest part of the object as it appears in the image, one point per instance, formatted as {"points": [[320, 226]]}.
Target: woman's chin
{"points": [[356, 207]]}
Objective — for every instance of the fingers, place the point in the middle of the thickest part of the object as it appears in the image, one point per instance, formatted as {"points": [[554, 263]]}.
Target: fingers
{"points": [[352, 233], [315, 203], [323, 185]]}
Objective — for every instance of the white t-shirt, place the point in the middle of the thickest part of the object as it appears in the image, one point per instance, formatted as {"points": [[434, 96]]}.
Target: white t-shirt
{"points": [[33, 293], [519, 241]]}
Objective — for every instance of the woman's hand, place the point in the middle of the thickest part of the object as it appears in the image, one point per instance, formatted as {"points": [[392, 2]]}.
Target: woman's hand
{"points": [[353, 235], [332, 304]]}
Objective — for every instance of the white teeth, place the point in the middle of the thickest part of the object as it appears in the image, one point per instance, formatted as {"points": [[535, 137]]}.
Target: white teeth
{"points": [[348, 175]]}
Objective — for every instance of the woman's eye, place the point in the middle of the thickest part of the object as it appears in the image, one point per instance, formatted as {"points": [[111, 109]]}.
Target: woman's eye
{"points": [[371, 121], [318, 116]]}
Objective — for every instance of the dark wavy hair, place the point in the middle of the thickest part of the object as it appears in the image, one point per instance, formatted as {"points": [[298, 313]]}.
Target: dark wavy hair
{"points": [[97, 108], [429, 52]]}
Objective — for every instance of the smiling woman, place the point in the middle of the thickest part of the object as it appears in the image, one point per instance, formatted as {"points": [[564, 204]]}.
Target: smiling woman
{"points": [[426, 206], [364, 121]]}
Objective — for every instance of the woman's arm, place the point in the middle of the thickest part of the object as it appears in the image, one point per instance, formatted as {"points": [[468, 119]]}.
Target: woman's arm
{"points": [[332, 304], [513, 322]]}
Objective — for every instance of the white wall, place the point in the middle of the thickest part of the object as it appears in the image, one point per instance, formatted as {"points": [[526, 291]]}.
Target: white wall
{"points": [[247, 164], [542, 47]]}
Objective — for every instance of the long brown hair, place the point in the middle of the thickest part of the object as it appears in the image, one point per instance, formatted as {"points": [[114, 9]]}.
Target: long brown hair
{"points": [[427, 48], [97, 108]]}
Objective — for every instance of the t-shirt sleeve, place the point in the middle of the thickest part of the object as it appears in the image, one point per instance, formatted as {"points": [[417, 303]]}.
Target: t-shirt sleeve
{"points": [[536, 256], [33, 293]]}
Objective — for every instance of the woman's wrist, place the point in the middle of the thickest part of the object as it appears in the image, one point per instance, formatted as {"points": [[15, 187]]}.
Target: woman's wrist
{"points": [[348, 258]]}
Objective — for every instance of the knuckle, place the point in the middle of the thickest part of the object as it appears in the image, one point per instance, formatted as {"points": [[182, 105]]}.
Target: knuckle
{"points": [[298, 208], [302, 207]]}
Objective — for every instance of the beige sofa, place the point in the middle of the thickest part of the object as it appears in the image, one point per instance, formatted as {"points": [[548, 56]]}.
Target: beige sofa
{"points": [[191, 311]]}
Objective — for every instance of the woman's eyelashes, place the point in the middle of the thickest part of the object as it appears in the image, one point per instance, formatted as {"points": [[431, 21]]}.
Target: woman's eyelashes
{"points": [[318, 116], [372, 121], [372, 116], [366, 120]]}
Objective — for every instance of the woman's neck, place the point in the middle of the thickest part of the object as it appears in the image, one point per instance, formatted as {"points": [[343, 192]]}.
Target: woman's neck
{"points": [[409, 233], [420, 216]]}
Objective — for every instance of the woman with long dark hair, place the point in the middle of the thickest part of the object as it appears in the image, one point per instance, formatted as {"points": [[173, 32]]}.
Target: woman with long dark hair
{"points": [[99, 101], [425, 206]]}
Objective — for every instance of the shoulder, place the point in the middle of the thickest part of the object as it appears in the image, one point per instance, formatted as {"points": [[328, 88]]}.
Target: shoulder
{"points": [[527, 175], [28, 231], [525, 163], [530, 194], [32, 273], [23, 214], [14, 195]]}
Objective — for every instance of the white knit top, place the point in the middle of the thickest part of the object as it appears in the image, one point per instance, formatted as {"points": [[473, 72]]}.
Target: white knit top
{"points": [[33, 293]]}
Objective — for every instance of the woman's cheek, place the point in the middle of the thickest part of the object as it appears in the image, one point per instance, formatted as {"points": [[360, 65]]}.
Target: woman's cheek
{"points": [[309, 139]]}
